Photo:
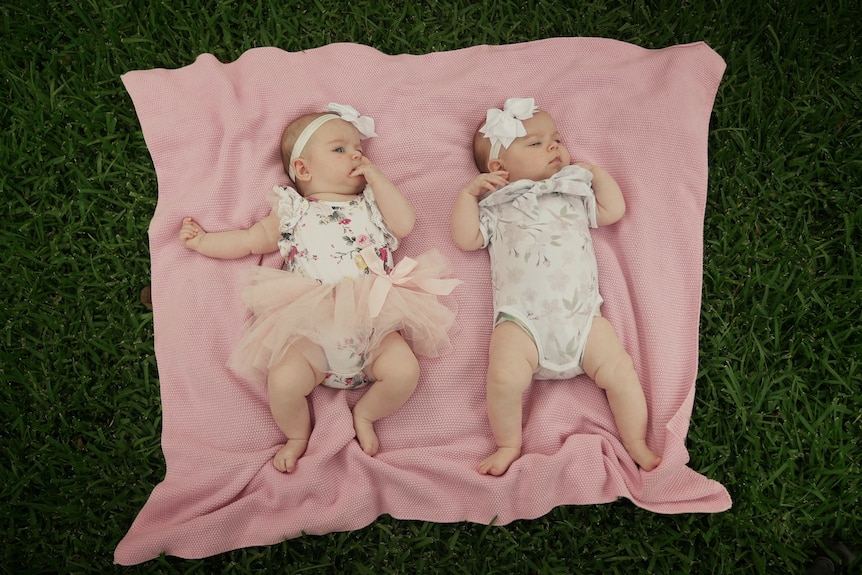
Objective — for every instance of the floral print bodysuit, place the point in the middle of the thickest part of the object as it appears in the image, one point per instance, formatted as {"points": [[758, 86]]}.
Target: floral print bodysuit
{"points": [[321, 240], [543, 267]]}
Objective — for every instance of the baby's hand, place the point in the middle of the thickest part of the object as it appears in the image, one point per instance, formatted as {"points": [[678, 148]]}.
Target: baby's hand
{"points": [[191, 234], [367, 169], [487, 183]]}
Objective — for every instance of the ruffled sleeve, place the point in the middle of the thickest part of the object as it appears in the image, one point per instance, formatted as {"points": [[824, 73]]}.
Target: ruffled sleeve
{"points": [[290, 207], [377, 218]]}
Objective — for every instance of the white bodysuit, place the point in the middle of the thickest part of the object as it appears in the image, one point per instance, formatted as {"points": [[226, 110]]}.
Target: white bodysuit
{"points": [[543, 267]]}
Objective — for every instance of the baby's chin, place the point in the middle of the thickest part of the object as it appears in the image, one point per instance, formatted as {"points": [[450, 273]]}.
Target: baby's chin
{"points": [[351, 185], [357, 185]]}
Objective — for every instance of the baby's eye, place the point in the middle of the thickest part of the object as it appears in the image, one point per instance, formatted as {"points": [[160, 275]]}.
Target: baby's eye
{"points": [[339, 149], [536, 144]]}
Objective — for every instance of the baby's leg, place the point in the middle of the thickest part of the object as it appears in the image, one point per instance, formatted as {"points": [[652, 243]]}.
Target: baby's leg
{"points": [[289, 383], [513, 358], [606, 361], [396, 372]]}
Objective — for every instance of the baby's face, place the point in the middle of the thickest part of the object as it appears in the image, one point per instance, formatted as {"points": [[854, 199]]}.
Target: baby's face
{"points": [[538, 155], [332, 153]]}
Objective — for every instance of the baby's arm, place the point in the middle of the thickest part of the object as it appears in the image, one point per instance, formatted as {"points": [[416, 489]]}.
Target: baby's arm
{"points": [[465, 214], [396, 210], [610, 205], [261, 238]]}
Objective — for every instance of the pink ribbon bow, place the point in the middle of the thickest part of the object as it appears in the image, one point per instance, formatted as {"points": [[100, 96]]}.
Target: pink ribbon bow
{"points": [[400, 276]]}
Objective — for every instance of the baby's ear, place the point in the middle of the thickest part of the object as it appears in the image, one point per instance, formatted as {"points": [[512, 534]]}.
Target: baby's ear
{"points": [[300, 170], [495, 165]]}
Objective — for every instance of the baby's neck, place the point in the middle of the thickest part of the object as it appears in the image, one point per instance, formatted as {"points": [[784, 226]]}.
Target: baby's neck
{"points": [[540, 179], [332, 197]]}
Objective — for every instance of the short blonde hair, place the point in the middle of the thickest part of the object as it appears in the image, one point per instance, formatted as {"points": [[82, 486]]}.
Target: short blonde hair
{"points": [[291, 134]]}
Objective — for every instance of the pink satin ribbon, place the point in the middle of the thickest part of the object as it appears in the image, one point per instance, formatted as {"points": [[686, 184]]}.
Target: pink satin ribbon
{"points": [[400, 276]]}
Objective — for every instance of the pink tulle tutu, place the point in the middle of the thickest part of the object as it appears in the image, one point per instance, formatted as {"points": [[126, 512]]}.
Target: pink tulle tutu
{"points": [[288, 308]]}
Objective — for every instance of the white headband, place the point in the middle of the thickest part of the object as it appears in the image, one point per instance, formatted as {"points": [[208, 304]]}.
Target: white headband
{"points": [[503, 126], [363, 124]]}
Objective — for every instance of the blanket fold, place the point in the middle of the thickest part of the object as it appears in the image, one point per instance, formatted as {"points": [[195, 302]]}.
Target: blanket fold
{"points": [[213, 132]]}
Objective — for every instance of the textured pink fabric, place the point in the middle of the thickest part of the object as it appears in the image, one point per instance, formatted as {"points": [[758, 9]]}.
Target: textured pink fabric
{"points": [[213, 131]]}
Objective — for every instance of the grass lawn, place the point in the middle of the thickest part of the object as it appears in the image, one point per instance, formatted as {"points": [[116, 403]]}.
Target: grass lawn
{"points": [[777, 414]]}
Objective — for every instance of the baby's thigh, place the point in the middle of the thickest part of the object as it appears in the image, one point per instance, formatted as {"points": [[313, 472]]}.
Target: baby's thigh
{"points": [[298, 372], [512, 349], [393, 358], [603, 347]]}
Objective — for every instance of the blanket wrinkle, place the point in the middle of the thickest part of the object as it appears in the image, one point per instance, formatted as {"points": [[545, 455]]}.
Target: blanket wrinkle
{"points": [[213, 133]]}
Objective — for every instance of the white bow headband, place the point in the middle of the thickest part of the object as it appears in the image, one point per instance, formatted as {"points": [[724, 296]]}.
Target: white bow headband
{"points": [[363, 124], [503, 126]]}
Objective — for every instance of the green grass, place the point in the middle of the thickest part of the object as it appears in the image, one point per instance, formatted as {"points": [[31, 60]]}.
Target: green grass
{"points": [[777, 414]]}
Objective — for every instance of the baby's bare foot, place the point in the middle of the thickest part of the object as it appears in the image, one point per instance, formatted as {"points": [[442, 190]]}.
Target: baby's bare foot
{"points": [[499, 462], [286, 458], [643, 456], [365, 435]]}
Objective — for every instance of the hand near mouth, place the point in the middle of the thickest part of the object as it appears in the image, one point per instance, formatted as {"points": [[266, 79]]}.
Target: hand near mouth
{"points": [[374, 177], [364, 168]]}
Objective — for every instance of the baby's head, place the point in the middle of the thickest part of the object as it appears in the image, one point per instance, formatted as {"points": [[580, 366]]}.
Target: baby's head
{"points": [[291, 134], [521, 140], [320, 151]]}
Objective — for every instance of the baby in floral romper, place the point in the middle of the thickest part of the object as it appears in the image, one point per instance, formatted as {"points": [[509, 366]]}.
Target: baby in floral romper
{"points": [[533, 211], [340, 311]]}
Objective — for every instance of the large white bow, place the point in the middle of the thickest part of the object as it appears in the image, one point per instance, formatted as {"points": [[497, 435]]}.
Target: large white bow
{"points": [[364, 124], [503, 126]]}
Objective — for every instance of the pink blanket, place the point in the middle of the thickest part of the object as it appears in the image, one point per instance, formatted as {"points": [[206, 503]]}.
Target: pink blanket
{"points": [[213, 131]]}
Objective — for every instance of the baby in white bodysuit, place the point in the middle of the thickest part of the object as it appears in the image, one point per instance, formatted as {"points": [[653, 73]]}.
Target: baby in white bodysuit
{"points": [[533, 211]]}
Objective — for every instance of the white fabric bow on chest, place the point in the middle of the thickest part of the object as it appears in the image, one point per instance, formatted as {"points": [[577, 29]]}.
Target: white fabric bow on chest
{"points": [[523, 194]]}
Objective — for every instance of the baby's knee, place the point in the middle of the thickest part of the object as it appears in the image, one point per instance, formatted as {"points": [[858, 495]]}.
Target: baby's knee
{"points": [[619, 370], [408, 368], [503, 377], [399, 363], [292, 378]]}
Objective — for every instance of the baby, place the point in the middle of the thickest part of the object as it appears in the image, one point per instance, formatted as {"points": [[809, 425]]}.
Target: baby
{"points": [[336, 312], [533, 211]]}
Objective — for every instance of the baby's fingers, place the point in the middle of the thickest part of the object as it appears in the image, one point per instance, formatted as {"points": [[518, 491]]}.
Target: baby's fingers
{"points": [[191, 225], [494, 181], [364, 169], [189, 231]]}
